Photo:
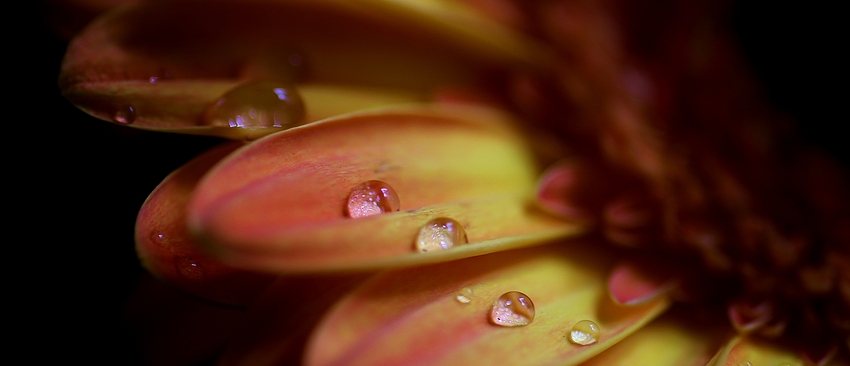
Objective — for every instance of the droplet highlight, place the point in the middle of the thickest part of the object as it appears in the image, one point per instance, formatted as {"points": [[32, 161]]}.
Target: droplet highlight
{"points": [[257, 104], [370, 198], [125, 115], [512, 309], [189, 268], [440, 234], [584, 332], [464, 296]]}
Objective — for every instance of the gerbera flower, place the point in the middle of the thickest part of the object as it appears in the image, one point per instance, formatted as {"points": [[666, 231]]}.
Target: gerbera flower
{"points": [[387, 199]]}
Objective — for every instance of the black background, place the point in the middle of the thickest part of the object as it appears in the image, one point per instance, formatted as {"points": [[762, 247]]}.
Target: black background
{"points": [[76, 183]]}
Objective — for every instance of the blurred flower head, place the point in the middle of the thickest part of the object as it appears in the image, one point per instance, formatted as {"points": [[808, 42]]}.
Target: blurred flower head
{"points": [[455, 182]]}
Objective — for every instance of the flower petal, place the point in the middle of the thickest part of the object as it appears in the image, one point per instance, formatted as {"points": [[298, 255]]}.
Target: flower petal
{"points": [[634, 282], [278, 204], [276, 327], [742, 350], [169, 61], [165, 248], [414, 316], [673, 339], [172, 328]]}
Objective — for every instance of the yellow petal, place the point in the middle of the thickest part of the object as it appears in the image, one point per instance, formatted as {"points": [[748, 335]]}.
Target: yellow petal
{"points": [[747, 351], [414, 316], [168, 61], [673, 339], [279, 203]]}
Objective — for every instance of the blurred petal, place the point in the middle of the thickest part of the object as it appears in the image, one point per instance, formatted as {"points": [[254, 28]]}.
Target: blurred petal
{"points": [[276, 327], [633, 282], [165, 248], [175, 329], [278, 204], [673, 339], [414, 316], [743, 350], [169, 61]]}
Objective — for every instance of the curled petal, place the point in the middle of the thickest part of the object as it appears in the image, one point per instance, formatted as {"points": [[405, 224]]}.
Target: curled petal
{"points": [[279, 203], [439, 314], [165, 248], [634, 283], [165, 63]]}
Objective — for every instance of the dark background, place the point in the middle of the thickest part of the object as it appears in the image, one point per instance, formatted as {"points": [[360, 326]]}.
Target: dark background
{"points": [[77, 183]]}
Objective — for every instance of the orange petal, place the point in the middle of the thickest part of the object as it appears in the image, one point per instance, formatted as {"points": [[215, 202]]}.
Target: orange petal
{"points": [[743, 350], [171, 60], [278, 204], [673, 339], [166, 249], [439, 314], [276, 327]]}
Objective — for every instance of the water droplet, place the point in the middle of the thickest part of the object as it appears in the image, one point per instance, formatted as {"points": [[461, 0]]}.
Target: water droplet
{"points": [[258, 104], [464, 296], [440, 233], [189, 268], [125, 115], [373, 197], [745, 363], [584, 332], [512, 309]]}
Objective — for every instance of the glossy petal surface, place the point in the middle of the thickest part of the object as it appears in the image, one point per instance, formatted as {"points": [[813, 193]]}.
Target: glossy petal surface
{"points": [[413, 316], [279, 203]]}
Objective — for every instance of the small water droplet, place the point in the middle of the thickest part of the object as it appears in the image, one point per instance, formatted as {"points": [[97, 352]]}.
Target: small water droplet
{"points": [[745, 363], [512, 309], [372, 197], [189, 268], [584, 332], [464, 296], [125, 115], [440, 233], [257, 104]]}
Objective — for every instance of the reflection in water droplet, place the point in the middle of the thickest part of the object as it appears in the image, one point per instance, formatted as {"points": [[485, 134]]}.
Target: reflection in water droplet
{"points": [[189, 268], [125, 114], [258, 104], [440, 233], [161, 240], [373, 197], [464, 296], [512, 309], [584, 332]]}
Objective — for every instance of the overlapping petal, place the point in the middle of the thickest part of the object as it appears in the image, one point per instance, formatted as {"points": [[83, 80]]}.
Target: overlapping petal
{"points": [[278, 204], [414, 317], [166, 249]]}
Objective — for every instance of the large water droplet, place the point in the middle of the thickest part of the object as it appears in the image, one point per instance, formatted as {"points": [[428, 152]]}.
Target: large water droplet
{"points": [[258, 104], [189, 268], [464, 296], [512, 309], [440, 233], [373, 197], [584, 332], [125, 115]]}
